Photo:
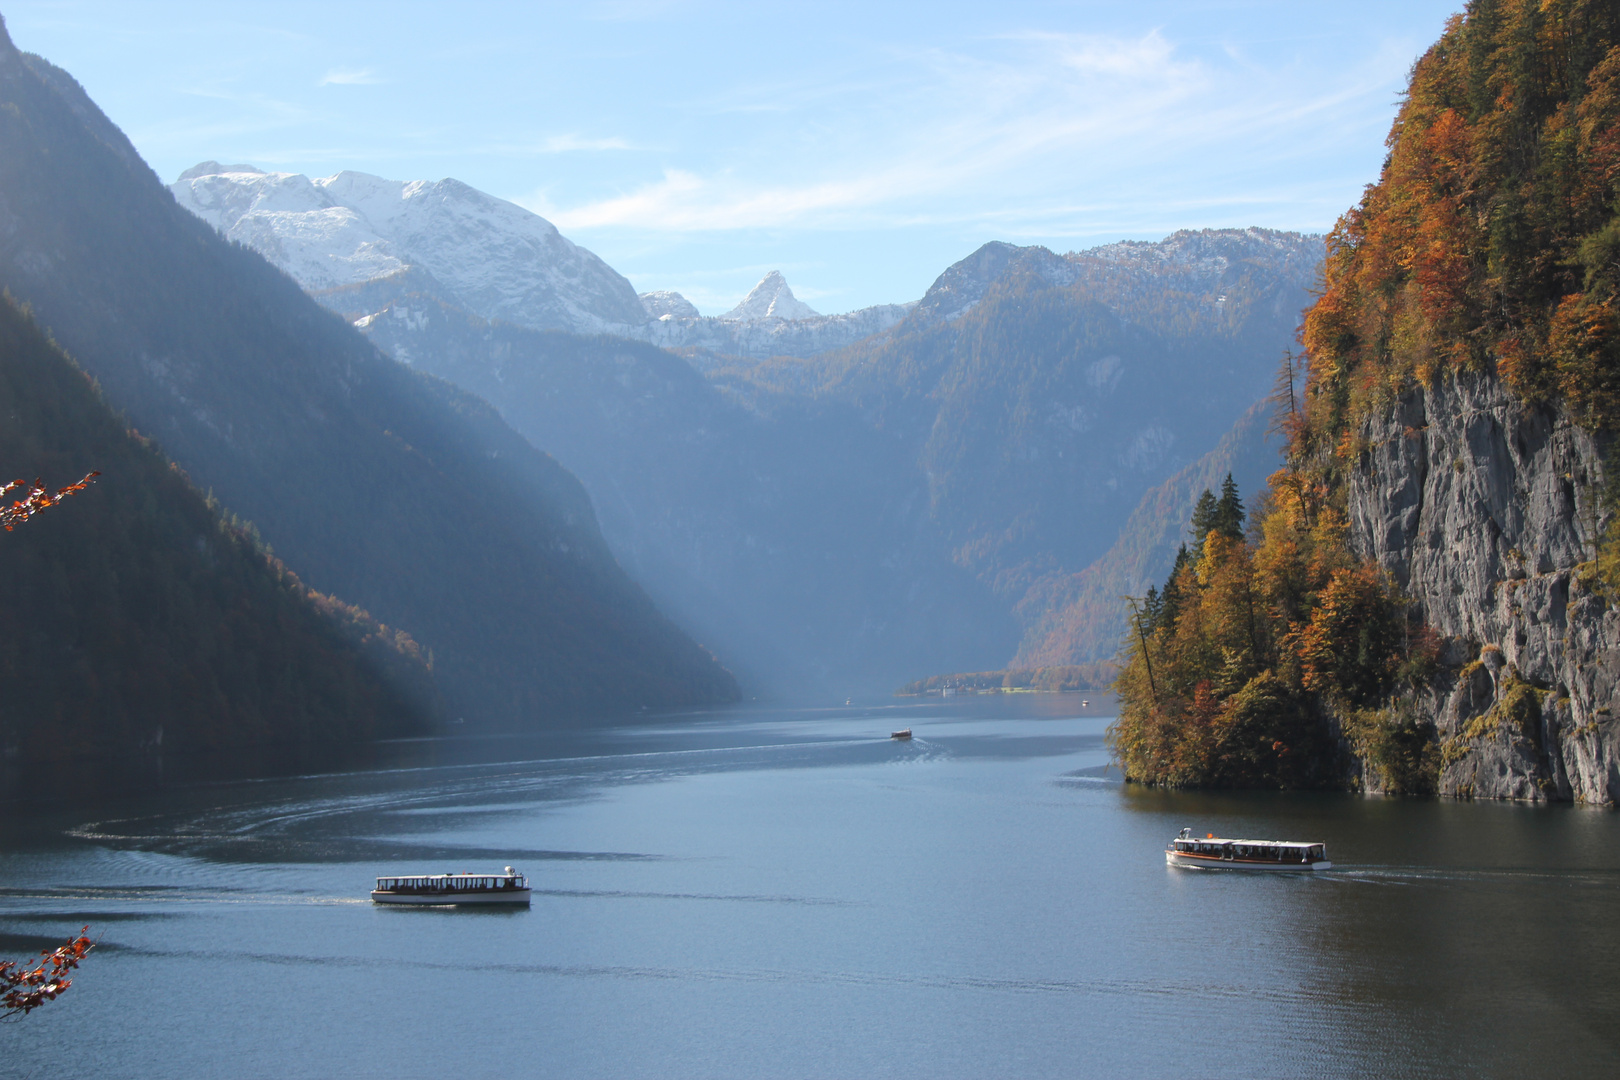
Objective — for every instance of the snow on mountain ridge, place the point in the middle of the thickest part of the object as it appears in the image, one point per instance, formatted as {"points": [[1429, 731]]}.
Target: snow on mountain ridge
{"points": [[498, 260], [486, 255], [668, 304], [768, 337]]}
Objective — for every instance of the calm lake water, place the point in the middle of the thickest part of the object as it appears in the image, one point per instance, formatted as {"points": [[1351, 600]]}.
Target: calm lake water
{"points": [[788, 893]]}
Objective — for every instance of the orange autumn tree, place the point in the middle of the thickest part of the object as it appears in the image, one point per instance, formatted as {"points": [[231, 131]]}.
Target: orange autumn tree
{"points": [[1491, 242], [1262, 647]]}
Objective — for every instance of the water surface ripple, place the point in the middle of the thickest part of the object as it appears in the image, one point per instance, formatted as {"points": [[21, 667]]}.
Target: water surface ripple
{"points": [[788, 893]]}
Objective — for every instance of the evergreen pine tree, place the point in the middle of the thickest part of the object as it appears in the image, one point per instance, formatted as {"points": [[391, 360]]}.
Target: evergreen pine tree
{"points": [[1152, 608], [1203, 518], [1170, 600], [1228, 516]]}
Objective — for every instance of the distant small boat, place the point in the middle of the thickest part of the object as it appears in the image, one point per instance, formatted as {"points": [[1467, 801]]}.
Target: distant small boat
{"points": [[440, 890], [1217, 853], [903, 733], [1085, 703]]}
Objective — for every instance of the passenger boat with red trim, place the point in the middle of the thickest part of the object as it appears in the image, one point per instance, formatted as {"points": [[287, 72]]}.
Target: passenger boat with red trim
{"points": [[1218, 853], [443, 890]]}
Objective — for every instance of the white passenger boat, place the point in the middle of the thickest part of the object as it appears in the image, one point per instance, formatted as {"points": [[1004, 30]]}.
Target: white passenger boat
{"points": [[1218, 853], [446, 889]]}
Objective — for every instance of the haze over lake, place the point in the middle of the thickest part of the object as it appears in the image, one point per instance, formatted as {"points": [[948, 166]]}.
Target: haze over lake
{"points": [[787, 892]]}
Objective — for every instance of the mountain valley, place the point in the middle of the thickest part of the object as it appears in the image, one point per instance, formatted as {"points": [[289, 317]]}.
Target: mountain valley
{"points": [[917, 501]]}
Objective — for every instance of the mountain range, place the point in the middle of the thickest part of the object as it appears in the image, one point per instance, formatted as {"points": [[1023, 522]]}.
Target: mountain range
{"points": [[489, 257], [916, 500]]}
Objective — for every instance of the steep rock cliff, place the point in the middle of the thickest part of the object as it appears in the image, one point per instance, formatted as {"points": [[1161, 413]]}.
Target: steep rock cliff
{"points": [[1487, 511]]}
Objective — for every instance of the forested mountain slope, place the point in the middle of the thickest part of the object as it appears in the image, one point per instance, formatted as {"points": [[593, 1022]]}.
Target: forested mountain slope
{"points": [[146, 637], [378, 484], [1433, 588], [1072, 384]]}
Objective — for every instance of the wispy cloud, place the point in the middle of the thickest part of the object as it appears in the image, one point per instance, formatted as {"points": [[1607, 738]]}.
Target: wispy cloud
{"points": [[350, 77], [987, 117], [1034, 120]]}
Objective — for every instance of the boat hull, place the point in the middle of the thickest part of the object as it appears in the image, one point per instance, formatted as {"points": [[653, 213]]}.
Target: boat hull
{"points": [[504, 898], [1210, 862]]}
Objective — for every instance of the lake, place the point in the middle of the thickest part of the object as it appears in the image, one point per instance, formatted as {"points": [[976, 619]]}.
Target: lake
{"points": [[788, 893]]}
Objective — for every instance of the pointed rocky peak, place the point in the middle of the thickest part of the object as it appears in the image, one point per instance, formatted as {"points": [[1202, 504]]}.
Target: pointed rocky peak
{"points": [[771, 299], [665, 303]]}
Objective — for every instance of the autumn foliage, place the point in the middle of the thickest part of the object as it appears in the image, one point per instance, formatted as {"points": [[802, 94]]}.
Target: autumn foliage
{"points": [[38, 498], [1491, 242], [1490, 246], [24, 987], [1263, 648]]}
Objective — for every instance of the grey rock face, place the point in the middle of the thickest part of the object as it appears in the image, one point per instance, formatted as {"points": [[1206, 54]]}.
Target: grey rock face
{"points": [[1484, 509]]}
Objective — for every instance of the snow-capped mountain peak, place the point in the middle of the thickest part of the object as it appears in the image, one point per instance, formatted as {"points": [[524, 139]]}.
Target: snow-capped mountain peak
{"points": [[495, 258], [771, 299]]}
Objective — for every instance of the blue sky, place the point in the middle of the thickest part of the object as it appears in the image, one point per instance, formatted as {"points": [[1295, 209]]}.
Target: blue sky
{"points": [[858, 148]]}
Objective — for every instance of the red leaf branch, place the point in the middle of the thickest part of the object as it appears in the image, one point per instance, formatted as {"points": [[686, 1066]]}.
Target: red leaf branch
{"points": [[26, 988], [38, 498]]}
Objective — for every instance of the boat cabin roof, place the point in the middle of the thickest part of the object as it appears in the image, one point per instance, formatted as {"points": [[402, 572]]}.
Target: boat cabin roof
{"points": [[446, 877], [1251, 843]]}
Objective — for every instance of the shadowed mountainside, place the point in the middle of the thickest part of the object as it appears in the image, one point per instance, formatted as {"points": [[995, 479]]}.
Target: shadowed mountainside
{"points": [[148, 637], [391, 489]]}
